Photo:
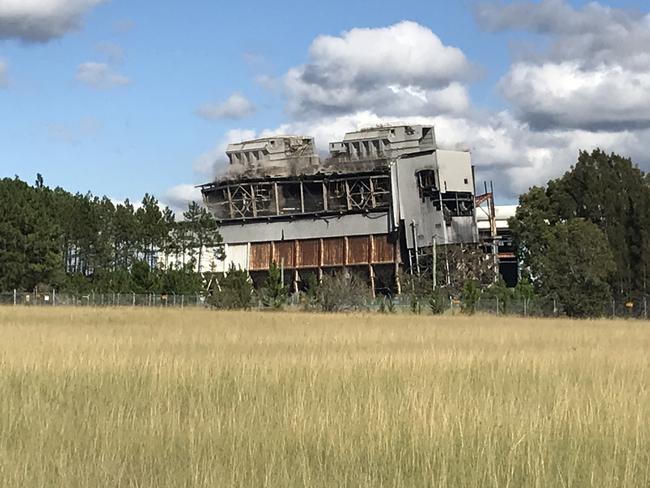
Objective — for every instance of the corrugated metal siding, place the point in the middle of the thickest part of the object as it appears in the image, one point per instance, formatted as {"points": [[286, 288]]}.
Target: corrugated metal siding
{"points": [[284, 253], [384, 250], [309, 253], [358, 250], [334, 252], [260, 257]]}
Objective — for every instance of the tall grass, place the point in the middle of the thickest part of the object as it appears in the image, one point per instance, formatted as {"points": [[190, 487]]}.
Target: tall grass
{"points": [[186, 398]]}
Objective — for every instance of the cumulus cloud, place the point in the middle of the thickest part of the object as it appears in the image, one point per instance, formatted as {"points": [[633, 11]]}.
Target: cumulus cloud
{"points": [[593, 35], [114, 53], [4, 76], [237, 106], [560, 105], [100, 75], [179, 196], [404, 68], [594, 74], [568, 95], [41, 20], [211, 162]]}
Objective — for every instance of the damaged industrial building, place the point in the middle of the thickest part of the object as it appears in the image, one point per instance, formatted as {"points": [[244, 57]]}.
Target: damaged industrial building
{"points": [[379, 205]]}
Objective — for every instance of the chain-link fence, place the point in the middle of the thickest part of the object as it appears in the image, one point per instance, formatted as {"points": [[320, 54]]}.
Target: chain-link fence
{"points": [[535, 307], [53, 298]]}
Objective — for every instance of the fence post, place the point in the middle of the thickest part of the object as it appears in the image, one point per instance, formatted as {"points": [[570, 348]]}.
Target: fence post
{"points": [[497, 305], [613, 309], [14, 297], [133, 303], [182, 301], [645, 308], [53, 297]]}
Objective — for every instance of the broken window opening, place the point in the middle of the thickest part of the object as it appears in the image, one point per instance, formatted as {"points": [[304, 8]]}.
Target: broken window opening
{"points": [[427, 183], [313, 196], [289, 198]]}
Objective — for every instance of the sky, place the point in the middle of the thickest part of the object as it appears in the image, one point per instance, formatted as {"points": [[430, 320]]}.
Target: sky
{"points": [[123, 98]]}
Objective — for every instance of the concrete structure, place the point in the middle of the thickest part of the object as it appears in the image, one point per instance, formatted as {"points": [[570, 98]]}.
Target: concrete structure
{"points": [[271, 156], [382, 199]]}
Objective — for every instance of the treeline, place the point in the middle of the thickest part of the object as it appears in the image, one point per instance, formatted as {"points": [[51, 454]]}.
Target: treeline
{"points": [[50, 238], [583, 242], [584, 239]]}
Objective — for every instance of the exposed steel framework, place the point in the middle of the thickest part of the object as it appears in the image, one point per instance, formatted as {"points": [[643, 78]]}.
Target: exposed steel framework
{"points": [[306, 195]]}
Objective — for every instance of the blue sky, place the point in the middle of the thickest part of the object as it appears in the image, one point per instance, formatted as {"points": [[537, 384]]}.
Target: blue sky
{"points": [[124, 98]]}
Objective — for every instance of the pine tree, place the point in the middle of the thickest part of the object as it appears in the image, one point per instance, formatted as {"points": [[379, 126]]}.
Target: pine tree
{"points": [[274, 293]]}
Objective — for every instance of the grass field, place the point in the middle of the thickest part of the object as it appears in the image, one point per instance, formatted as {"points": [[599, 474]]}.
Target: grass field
{"points": [[192, 398]]}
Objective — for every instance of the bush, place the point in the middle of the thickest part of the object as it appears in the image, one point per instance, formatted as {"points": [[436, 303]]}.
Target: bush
{"points": [[469, 298], [274, 293], [437, 302], [342, 291], [234, 292]]}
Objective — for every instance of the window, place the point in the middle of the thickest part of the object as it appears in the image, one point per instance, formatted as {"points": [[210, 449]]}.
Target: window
{"points": [[426, 182]]}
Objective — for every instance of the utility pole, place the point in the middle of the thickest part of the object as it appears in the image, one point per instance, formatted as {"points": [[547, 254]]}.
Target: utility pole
{"points": [[435, 262]]}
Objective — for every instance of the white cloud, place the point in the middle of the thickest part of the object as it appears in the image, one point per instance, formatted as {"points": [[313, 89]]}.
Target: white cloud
{"points": [[100, 75], [41, 20], [114, 53], [593, 35], [594, 74], [404, 68], [560, 106], [237, 106], [179, 196], [568, 95], [208, 164], [503, 148], [4, 74]]}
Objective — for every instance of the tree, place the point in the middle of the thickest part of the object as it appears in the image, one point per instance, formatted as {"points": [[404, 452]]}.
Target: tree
{"points": [[577, 267], [203, 232], [525, 292], [143, 278], [342, 291], [273, 292], [470, 296], [152, 229], [234, 291], [437, 302], [606, 190], [501, 293], [607, 198]]}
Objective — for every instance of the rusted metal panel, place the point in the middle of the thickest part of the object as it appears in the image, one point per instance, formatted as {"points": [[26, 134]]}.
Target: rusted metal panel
{"points": [[260, 255], [358, 250], [384, 250], [334, 251], [308, 254], [284, 253]]}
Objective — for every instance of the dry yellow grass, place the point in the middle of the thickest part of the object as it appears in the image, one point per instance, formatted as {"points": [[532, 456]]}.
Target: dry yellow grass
{"points": [[171, 398]]}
